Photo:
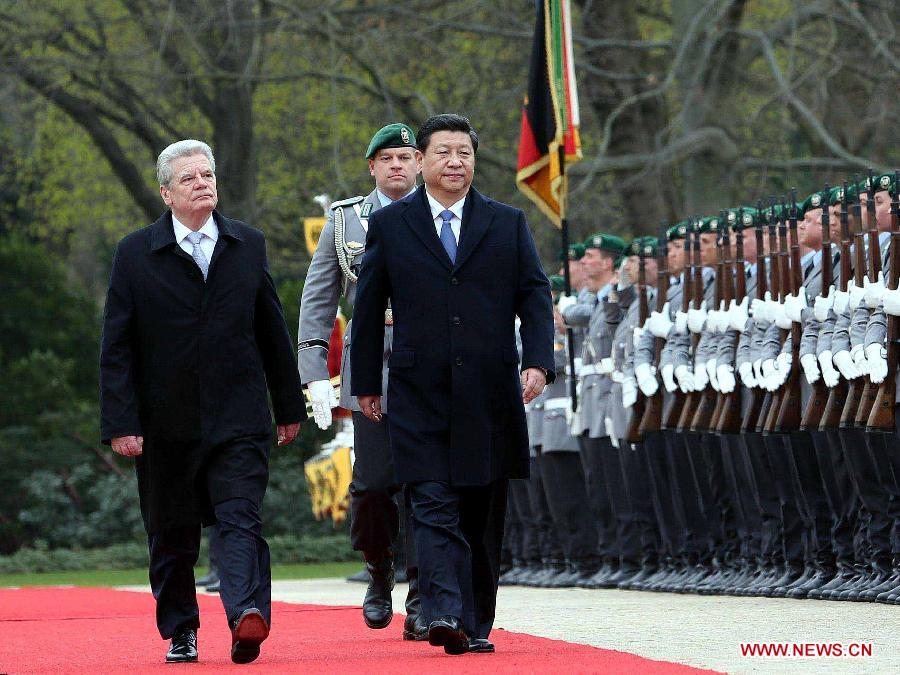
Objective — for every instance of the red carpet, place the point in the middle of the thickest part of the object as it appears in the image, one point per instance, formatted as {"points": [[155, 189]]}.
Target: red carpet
{"points": [[99, 630]]}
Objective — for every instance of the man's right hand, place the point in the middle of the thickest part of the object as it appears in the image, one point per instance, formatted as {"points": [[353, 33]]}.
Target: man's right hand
{"points": [[321, 394], [370, 406], [128, 446]]}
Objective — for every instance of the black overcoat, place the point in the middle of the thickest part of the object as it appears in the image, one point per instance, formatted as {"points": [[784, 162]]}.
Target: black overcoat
{"points": [[456, 403], [185, 363]]}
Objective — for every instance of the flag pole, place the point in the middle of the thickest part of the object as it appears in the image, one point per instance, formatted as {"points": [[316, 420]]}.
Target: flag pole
{"points": [[567, 285]]}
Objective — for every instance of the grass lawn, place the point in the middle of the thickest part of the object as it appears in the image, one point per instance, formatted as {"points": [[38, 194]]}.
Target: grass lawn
{"points": [[139, 576]]}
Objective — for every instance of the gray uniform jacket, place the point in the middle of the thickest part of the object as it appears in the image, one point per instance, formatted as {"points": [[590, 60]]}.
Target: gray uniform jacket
{"points": [[325, 282], [876, 331], [597, 346], [623, 356], [555, 434], [681, 344], [645, 350]]}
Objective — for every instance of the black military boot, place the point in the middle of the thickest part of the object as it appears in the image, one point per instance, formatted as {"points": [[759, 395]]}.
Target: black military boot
{"points": [[844, 572], [881, 571], [377, 610], [824, 573], [887, 586], [415, 626]]}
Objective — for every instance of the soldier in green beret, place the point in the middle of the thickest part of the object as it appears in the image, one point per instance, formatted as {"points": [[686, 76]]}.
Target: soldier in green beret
{"points": [[394, 163]]}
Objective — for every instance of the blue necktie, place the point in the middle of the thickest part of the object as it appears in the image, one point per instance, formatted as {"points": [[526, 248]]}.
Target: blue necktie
{"points": [[197, 254], [447, 238]]}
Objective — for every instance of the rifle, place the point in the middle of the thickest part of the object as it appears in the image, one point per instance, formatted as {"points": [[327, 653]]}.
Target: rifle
{"points": [[831, 418], [693, 398], [775, 291], [706, 403], [882, 416], [726, 285], [815, 407], [679, 397], [653, 410], [729, 421], [855, 386], [870, 391], [784, 282], [789, 415], [757, 394], [633, 434]]}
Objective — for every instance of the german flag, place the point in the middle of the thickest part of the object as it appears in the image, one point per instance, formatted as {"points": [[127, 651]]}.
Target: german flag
{"points": [[550, 113]]}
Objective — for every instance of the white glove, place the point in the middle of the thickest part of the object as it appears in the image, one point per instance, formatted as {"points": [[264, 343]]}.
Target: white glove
{"points": [[638, 332], [757, 371], [782, 320], [876, 357], [841, 300], [701, 377], [681, 322], [783, 364], [629, 392], [772, 306], [829, 375], [697, 317], [564, 302], [759, 310], [725, 376], [646, 379], [768, 368], [668, 377], [746, 373], [858, 355], [712, 321], [737, 314], [844, 363], [713, 375], [606, 366], [659, 323], [724, 321], [856, 293], [823, 304], [685, 379], [873, 291], [321, 394], [892, 302], [578, 363], [617, 376], [810, 367], [795, 304]]}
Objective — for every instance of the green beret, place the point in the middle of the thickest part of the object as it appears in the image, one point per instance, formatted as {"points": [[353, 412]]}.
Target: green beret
{"points": [[395, 135], [645, 247], [708, 224], [678, 231], [576, 252], [557, 283], [837, 195], [886, 182], [815, 201], [606, 242]]}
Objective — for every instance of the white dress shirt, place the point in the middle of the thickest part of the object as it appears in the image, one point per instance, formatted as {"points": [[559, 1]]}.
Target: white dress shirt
{"points": [[384, 200], [207, 243], [455, 221]]}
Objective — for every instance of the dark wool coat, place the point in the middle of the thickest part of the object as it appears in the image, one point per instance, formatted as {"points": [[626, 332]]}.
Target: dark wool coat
{"points": [[456, 403]]}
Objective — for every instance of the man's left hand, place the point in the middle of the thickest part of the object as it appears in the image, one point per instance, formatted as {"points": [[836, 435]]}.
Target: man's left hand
{"points": [[287, 432], [533, 383]]}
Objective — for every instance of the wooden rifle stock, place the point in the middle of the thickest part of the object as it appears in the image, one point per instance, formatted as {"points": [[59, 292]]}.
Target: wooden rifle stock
{"points": [[633, 434], [725, 289], [784, 281], [729, 421], [870, 391], [881, 417], [775, 291], [706, 405], [815, 407], [791, 401], [693, 398], [855, 387], [757, 394], [653, 410], [679, 397], [831, 418]]}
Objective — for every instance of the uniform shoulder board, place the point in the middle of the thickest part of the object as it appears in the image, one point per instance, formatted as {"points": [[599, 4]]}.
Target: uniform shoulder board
{"points": [[347, 202]]}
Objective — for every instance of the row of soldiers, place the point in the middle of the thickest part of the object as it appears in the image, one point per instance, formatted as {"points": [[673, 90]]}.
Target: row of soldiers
{"points": [[724, 417]]}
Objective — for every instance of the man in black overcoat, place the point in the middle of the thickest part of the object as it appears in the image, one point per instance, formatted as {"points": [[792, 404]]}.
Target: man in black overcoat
{"points": [[458, 268], [193, 333]]}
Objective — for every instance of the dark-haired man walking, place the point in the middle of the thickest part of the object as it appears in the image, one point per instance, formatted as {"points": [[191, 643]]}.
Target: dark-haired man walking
{"points": [[458, 268]]}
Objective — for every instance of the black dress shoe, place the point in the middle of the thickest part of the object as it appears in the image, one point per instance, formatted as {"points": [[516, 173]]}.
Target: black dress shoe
{"points": [[247, 633], [447, 632], [211, 577], [184, 647], [415, 627], [377, 609], [481, 646]]}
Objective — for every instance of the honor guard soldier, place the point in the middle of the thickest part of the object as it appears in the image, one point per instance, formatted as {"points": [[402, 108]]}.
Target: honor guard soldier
{"points": [[395, 163]]}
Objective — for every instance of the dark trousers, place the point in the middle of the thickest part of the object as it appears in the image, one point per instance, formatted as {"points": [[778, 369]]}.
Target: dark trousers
{"points": [[520, 504], [815, 497], [740, 481], [459, 533], [236, 478], [874, 498], [665, 500], [374, 513], [607, 501], [784, 474], [548, 537], [766, 494], [563, 477], [847, 512], [695, 535]]}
